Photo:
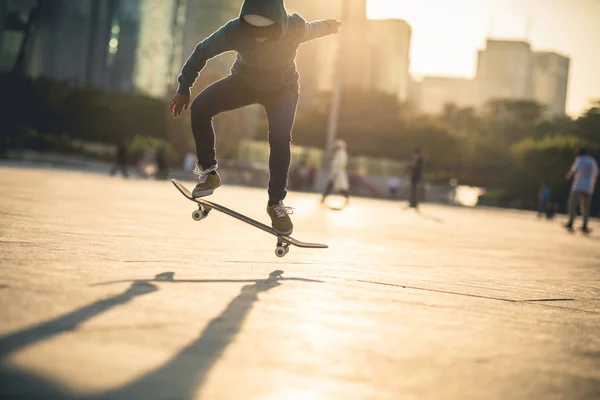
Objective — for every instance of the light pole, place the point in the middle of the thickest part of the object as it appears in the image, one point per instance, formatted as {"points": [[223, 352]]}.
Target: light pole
{"points": [[334, 108]]}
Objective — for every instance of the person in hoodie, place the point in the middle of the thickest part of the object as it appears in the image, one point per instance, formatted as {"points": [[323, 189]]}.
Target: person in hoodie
{"points": [[266, 39]]}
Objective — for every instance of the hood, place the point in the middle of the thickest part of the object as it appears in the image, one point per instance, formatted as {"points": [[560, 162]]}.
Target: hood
{"points": [[272, 9]]}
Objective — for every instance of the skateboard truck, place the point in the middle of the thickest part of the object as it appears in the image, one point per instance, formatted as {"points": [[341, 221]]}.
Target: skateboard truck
{"points": [[200, 213]]}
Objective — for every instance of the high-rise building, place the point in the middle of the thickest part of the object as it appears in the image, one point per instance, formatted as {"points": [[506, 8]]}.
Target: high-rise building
{"points": [[388, 52], [203, 17], [158, 49], [504, 70], [315, 59], [13, 17], [125, 45], [550, 80], [433, 93], [60, 43]]}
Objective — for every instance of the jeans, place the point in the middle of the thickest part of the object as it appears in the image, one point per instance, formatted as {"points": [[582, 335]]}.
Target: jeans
{"points": [[583, 200], [232, 93]]}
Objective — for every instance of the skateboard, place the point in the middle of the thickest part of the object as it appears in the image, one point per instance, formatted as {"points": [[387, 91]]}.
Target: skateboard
{"points": [[205, 206]]}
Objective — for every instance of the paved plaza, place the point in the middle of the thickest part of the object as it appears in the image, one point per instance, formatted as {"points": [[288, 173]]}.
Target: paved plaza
{"points": [[109, 290]]}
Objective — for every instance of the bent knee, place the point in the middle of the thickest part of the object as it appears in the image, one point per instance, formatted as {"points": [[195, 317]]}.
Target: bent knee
{"points": [[201, 108]]}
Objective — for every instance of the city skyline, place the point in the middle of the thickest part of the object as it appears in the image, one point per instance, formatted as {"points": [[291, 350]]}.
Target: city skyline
{"points": [[564, 27]]}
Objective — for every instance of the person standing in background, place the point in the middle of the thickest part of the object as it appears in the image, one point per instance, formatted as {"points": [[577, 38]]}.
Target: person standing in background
{"points": [[338, 180], [162, 163], [121, 160], [544, 200], [189, 162], [416, 178], [393, 185], [585, 174]]}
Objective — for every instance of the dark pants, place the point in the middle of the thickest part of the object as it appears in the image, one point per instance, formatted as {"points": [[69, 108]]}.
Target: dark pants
{"points": [[583, 200], [231, 93], [414, 194], [329, 189]]}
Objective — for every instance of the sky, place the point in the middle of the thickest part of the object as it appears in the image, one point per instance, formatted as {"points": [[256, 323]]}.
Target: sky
{"points": [[447, 34]]}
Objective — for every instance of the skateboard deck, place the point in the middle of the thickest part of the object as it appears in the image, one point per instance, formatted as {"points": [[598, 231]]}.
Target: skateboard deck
{"points": [[205, 206]]}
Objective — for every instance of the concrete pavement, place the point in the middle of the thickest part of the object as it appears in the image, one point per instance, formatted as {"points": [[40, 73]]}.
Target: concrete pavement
{"points": [[109, 289]]}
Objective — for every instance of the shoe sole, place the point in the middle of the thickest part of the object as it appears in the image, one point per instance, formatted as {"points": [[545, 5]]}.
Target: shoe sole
{"points": [[202, 194], [284, 233]]}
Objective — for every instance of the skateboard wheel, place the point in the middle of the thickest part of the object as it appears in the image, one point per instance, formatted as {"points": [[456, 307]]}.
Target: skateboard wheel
{"points": [[280, 251], [198, 215], [287, 249]]}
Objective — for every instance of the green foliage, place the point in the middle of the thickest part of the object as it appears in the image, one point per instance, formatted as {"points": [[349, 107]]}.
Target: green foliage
{"points": [[37, 113], [509, 147]]}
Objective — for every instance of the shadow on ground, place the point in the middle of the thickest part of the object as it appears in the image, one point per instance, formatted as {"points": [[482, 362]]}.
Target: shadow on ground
{"points": [[179, 378]]}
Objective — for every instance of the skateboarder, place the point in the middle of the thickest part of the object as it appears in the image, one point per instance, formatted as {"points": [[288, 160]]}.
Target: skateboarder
{"points": [[266, 39], [338, 179], [585, 171]]}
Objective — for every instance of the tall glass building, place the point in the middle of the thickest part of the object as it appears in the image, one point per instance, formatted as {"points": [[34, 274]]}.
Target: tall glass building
{"points": [[124, 45]]}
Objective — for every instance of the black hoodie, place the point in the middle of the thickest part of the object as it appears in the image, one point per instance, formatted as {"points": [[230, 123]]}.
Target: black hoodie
{"points": [[264, 65]]}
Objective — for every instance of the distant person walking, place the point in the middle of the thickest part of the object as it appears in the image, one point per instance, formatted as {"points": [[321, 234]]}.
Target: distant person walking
{"points": [[416, 178], [393, 185], [148, 162], [121, 160], [543, 200], [338, 180], [585, 173], [311, 176], [189, 162], [162, 166]]}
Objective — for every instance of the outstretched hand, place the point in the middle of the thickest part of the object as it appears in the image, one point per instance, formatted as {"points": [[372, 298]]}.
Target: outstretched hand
{"points": [[179, 103], [336, 24]]}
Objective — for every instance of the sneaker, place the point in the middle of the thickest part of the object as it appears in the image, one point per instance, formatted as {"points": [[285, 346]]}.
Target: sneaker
{"points": [[280, 218], [586, 230], [568, 227], [208, 181]]}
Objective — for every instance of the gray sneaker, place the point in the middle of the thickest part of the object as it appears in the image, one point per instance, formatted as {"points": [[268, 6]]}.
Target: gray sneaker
{"points": [[208, 181]]}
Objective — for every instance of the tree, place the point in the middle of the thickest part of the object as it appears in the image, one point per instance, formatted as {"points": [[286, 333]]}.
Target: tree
{"points": [[587, 126], [513, 120]]}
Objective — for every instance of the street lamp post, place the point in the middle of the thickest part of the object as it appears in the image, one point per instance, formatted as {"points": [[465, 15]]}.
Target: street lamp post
{"points": [[334, 108]]}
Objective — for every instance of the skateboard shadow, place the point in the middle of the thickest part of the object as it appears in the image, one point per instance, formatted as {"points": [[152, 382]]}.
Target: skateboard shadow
{"points": [[179, 378]]}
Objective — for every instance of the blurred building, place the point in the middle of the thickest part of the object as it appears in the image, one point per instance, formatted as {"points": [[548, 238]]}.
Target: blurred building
{"points": [[315, 59], [203, 17], [159, 46], [433, 93], [389, 57], [354, 40], [14, 15], [504, 70], [60, 37], [126, 45], [550, 81]]}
